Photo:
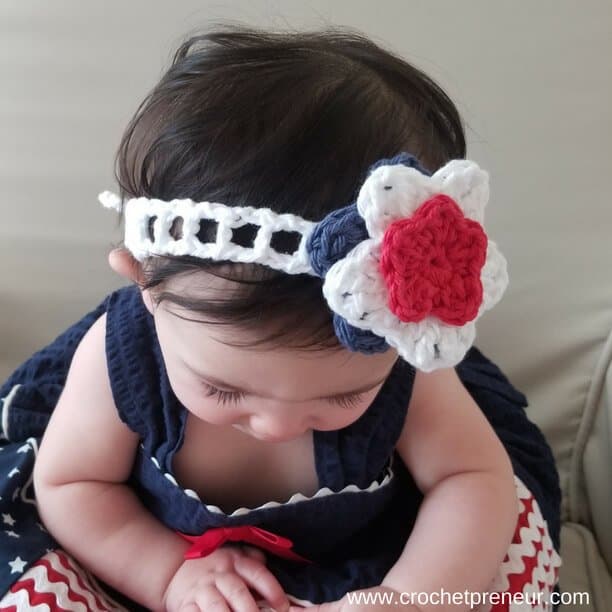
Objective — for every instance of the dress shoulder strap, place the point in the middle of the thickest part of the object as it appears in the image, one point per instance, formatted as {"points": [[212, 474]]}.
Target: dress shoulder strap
{"points": [[142, 393]]}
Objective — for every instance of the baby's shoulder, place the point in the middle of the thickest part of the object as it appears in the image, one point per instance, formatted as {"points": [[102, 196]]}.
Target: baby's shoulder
{"points": [[88, 372], [85, 439]]}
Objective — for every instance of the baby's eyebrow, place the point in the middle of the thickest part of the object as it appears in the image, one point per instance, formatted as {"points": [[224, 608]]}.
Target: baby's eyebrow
{"points": [[219, 383]]}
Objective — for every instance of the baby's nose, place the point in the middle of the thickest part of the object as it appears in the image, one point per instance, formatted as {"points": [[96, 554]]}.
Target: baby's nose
{"points": [[279, 427]]}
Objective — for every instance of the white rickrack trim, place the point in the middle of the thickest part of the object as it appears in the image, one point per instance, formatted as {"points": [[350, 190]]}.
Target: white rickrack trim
{"points": [[548, 561], [26, 492], [6, 403], [294, 499], [75, 581], [139, 211]]}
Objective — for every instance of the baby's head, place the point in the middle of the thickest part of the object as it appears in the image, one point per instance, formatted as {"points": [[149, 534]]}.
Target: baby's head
{"points": [[290, 122]]}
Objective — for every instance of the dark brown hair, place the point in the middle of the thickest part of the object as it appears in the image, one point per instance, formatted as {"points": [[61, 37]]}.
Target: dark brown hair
{"points": [[286, 120]]}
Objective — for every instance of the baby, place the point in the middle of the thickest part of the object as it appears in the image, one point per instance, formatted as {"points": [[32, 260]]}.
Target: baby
{"points": [[284, 406]]}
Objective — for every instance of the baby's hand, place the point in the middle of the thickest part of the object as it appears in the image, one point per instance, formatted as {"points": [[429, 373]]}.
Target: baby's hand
{"points": [[221, 580]]}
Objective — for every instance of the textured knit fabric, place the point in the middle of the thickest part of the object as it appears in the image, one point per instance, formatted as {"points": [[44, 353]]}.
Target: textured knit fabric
{"points": [[353, 529]]}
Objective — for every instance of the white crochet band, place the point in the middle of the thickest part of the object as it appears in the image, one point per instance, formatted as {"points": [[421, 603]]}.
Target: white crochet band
{"points": [[145, 217], [353, 286]]}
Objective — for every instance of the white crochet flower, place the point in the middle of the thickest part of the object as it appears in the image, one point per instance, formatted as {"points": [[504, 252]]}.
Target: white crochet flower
{"points": [[406, 210]]}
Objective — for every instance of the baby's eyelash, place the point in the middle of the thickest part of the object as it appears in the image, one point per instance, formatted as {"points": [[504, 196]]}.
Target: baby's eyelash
{"points": [[234, 397], [347, 401], [224, 397]]}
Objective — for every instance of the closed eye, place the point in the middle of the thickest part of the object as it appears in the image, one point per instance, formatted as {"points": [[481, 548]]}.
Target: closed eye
{"points": [[346, 401], [224, 397], [234, 397]]}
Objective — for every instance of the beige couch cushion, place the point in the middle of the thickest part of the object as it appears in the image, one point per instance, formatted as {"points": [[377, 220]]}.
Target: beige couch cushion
{"points": [[584, 572], [596, 466]]}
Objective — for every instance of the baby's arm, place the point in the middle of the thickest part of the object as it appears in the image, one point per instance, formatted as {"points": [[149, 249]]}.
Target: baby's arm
{"points": [[85, 458], [80, 475], [467, 519]]}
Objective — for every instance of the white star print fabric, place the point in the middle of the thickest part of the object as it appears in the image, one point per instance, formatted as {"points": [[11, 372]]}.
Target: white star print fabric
{"points": [[23, 539], [34, 573]]}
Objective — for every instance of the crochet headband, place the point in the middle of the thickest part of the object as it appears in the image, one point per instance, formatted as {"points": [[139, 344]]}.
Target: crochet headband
{"points": [[407, 265]]}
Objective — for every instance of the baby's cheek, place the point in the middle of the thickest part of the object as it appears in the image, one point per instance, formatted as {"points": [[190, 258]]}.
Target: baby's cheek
{"points": [[208, 409]]}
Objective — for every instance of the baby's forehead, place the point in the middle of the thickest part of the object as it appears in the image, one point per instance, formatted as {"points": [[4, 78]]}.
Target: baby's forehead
{"points": [[289, 375], [206, 346], [197, 331]]}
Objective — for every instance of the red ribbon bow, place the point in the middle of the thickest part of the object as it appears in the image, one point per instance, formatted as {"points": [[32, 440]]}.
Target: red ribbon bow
{"points": [[211, 539]]}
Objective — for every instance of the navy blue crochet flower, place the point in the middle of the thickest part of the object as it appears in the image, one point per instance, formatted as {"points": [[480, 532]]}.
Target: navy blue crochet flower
{"points": [[401, 158]]}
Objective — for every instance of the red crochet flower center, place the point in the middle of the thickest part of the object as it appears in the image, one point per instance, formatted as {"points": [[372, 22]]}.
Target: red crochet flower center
{"points": [[431, 263]]}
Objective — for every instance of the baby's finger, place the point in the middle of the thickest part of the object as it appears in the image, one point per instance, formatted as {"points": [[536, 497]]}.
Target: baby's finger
{"points": [[254, 553], [210, 598], [263, 581], [236, 592]]}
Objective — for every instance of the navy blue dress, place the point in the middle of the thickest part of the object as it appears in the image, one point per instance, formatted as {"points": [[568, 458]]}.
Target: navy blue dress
{"points": [[353, 529]]}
